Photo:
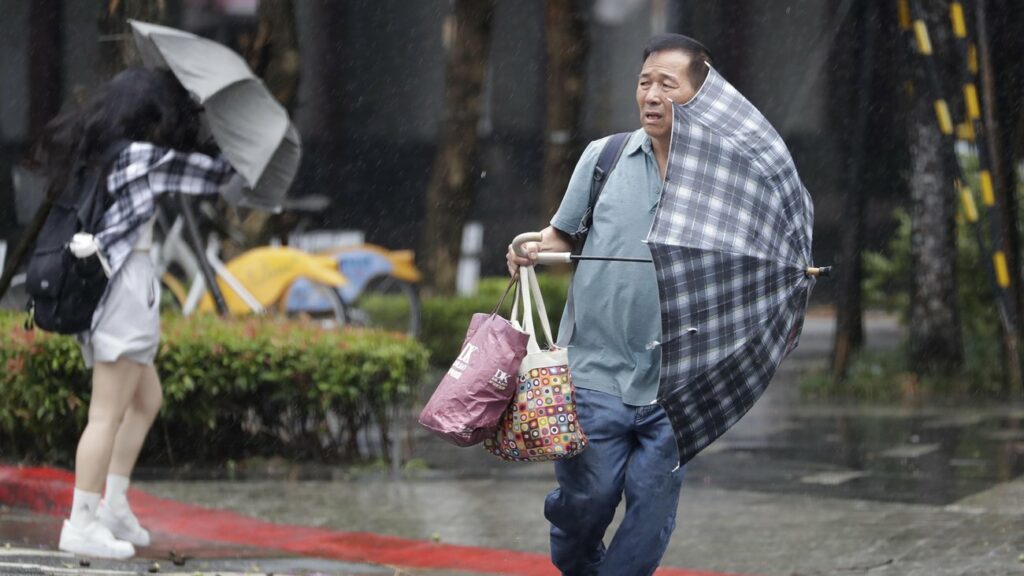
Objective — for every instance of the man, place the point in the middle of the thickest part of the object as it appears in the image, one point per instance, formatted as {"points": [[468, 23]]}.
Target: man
{"points": [[612, 340]]}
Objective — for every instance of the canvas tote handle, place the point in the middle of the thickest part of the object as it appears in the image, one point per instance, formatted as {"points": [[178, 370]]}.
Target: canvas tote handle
{"points": [[542, 312], [528, 286]]}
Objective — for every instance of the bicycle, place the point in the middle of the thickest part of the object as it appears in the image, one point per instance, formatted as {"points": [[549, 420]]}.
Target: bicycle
{"points": [[257, 281], [381, 291], [380, 288]]}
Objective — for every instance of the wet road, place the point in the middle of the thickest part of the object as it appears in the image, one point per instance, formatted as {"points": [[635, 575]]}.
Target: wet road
{"points": [[794, 489]]}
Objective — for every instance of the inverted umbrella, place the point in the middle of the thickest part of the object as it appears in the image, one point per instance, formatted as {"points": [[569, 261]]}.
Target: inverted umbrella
{"points": [[731, 242], [251, 128]]}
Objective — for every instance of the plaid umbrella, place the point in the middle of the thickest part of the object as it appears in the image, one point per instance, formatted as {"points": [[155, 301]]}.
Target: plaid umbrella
{"points": [[731, 242]]}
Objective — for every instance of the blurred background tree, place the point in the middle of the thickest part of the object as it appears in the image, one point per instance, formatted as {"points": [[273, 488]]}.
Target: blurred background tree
{"points": [[456, 171]]}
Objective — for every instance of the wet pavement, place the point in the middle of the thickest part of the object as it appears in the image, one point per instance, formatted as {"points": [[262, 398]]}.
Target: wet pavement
{"points": [[793, 489], [29, 539]]}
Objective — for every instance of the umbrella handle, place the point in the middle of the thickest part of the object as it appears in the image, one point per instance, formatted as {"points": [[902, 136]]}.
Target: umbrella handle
{"points": [[542, 257], [822, 272]]}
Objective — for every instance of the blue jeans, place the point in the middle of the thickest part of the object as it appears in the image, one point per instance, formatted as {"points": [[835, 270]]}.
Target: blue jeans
{"points": [[632, 450]]}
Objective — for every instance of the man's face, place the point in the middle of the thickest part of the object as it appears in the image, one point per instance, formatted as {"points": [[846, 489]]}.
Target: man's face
{"points": [[663, 79]]}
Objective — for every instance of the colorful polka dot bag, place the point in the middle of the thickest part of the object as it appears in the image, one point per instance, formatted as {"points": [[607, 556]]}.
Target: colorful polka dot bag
{"points": [[540, 423]]}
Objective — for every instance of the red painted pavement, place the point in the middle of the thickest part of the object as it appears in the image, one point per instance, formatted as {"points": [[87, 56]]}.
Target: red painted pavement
{"points": [[49, 490]]}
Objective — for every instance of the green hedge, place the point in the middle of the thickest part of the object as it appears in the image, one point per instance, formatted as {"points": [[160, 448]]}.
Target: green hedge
{"points": [[445, 320], [233, 389]]}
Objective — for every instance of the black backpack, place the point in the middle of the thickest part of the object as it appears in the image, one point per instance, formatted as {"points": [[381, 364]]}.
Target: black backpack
{"points": [[65, 290]]}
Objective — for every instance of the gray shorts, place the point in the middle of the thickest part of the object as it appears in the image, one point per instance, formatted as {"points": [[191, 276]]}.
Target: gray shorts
{"points": [[127, 322]]}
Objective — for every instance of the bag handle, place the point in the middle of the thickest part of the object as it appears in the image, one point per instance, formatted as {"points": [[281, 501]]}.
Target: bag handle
{"points": [[542, 312], [529, 289], [517, 279], [532, 347], [511, 283]]}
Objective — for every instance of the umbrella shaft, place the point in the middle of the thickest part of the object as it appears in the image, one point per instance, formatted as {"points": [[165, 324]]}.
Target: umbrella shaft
{"points": [[576, 258]]}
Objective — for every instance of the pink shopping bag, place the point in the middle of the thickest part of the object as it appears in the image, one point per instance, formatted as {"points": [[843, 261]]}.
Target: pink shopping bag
{"points": [[468, 403]]}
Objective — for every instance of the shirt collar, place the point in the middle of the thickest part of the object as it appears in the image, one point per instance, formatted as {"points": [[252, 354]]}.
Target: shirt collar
{"points": [[638, 140]]}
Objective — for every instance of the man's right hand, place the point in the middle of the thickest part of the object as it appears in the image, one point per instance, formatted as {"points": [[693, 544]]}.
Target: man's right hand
{"points": [[552, 240]]}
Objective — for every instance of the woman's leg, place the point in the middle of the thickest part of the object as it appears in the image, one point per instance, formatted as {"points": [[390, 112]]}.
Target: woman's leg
{"points": [[138, 419], [115, 513], [114, 384]]}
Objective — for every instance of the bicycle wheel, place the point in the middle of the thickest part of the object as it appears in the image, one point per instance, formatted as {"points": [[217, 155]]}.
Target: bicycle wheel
{"points": [[334, 314], [388, 304]]}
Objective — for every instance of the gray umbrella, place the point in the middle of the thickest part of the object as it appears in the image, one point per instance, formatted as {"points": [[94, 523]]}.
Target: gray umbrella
{"points": [[251, 128]]}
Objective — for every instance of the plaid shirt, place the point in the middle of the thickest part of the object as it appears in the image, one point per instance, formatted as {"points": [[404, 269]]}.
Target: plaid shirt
{"points": [[142, 172]]}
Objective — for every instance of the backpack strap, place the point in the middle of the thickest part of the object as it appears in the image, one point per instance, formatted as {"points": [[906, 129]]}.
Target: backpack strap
{"points": [[602, 170], [605, 164], [91, 210]]}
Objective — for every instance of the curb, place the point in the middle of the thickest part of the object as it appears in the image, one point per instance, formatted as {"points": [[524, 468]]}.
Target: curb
{"points": [[49, 491]]}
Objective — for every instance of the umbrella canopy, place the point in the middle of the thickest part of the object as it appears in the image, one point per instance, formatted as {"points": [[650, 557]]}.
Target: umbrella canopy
{"points": [[731, 242], [251, 128]]}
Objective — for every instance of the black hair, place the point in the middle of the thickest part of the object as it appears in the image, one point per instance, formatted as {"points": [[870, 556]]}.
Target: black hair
{"points": [[699, 54], [138, 104]]}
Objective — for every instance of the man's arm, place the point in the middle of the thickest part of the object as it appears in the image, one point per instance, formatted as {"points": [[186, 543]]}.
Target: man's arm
{"points": [[552, 240], [555, 238]]}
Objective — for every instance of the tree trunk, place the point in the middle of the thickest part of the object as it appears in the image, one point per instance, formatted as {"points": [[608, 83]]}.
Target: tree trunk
{"points": [[45, 64], [452, 184], [117, 48], [567, 47], [272, 52], [935, 334], [859, 52]]}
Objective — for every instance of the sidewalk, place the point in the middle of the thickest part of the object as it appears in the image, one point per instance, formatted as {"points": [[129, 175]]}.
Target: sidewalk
{"points": [[217, 540]]}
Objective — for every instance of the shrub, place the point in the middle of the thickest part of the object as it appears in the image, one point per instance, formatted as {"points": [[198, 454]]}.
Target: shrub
{"points": [[233, 388], [445, 319]]}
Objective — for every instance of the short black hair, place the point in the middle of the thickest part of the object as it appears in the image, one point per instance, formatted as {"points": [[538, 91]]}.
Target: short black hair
{"points": [[699, 54]]}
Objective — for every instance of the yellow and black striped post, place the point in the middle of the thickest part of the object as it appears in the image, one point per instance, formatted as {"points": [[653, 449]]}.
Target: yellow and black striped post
{"points": [[969, 131], [974, 127]]}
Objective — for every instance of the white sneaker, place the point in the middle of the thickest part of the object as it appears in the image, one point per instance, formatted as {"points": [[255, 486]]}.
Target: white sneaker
{"points": [[93, 539], [122, 523]]}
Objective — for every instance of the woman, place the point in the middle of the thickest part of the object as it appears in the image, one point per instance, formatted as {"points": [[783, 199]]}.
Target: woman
{"points": [[152, 120]]}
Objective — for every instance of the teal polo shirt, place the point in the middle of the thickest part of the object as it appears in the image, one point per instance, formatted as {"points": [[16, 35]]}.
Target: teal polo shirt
{"points": [[617, 314]]}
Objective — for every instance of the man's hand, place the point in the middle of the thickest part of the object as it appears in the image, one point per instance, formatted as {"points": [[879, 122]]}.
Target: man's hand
{"points": [[552, 240]]}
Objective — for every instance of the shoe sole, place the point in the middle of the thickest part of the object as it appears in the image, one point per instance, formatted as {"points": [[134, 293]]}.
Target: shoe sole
{"points": [[94, 554]]}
